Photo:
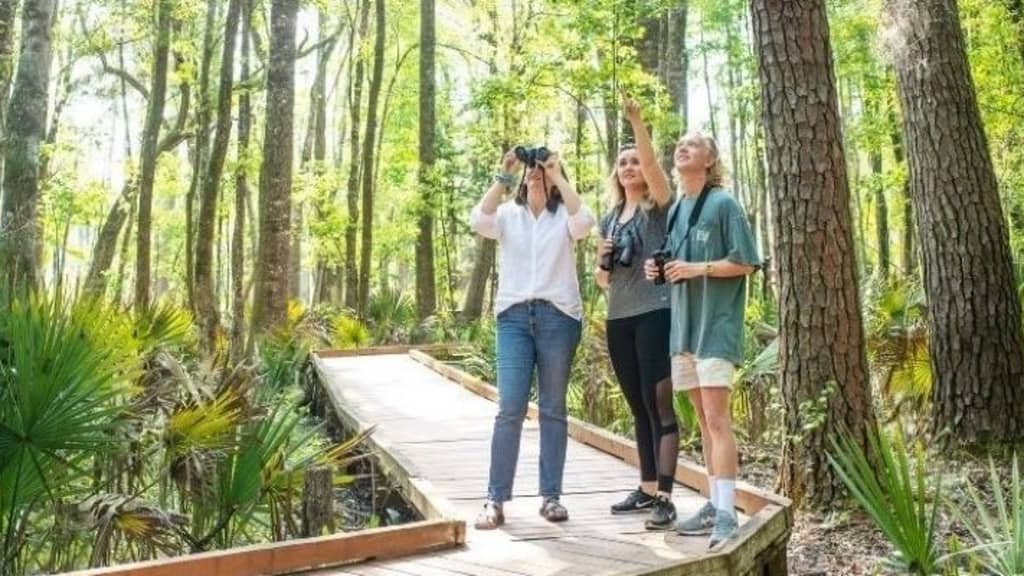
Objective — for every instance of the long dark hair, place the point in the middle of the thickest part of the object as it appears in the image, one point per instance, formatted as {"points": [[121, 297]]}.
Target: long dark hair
{"points": [[554, 196]]}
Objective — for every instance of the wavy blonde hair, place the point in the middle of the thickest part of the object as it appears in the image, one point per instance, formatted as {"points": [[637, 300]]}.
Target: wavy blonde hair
{"points": [[716, 172], [615, 191]]}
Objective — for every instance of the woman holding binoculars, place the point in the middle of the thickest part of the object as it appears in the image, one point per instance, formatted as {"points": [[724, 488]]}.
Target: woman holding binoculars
{"points": [[539, 315], [639, 197]]}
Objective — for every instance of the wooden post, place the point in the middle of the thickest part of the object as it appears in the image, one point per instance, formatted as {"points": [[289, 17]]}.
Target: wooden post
{"points": [[317, 502]]}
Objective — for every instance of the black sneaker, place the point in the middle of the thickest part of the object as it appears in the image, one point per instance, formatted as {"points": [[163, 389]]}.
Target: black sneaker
{"points": [[637, 501], [663, 514]]}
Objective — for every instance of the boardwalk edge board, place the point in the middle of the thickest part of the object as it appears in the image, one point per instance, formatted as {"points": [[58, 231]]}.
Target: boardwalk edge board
{"points": [[300, 554]]}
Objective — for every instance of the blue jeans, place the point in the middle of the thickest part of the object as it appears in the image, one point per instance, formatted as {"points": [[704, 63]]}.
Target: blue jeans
{"points": [[532, 333]]}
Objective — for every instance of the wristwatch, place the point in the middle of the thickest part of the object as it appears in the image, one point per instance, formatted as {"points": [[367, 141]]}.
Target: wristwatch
{"points": [[709, 267], [507, 180]]}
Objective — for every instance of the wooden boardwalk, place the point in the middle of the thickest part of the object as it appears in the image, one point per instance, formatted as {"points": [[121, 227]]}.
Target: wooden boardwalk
{"points": [[435, 433]]}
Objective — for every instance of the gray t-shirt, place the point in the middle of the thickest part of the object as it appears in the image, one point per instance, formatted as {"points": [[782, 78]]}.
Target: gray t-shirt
{"points": [[707, 313], [629, 293]]}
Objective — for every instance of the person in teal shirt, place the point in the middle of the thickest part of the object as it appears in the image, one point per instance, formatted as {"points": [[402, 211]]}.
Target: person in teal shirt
{"points": [[709, 250]]}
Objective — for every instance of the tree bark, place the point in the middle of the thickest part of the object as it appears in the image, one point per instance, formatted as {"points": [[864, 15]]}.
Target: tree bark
{"points": [[477, 289], [241, 195], [106, 242], [824, 377], [909, 257], [355, 106], [8, 11], [675, 77], [369, 138], [426, 297], [199, 146], [271, 298], [147, 167], [881, 215], [206, 301], [26, 127], [974, 311]]}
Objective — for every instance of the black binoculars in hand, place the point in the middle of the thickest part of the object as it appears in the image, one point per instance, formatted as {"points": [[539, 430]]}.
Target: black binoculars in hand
{"points": [[661, 256], [621, 254], [531, 156]]}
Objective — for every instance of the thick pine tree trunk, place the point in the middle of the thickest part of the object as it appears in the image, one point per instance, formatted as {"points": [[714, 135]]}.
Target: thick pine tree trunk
{"points": [[206, 301], [369, 139], [270, 307], [147, 168], [241, 195], [352, 196], [974, 311], [821, 348], [426, 297], [26, 127]]}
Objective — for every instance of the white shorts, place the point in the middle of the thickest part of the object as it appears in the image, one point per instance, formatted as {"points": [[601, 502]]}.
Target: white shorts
{"points": [[690, 372]]}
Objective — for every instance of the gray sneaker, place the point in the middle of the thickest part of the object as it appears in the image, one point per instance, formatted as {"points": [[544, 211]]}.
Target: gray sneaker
{"points": [[725, 528], [699, 524]]}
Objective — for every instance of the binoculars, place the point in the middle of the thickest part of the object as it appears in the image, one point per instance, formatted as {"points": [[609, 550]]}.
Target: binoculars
{"points": [[531, 156]]}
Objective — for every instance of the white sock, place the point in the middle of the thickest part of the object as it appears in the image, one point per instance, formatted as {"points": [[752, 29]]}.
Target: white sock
{"points": [[726, 495], [713, 489]]}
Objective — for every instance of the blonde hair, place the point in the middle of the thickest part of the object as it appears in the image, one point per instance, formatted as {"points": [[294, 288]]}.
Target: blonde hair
{"points": [[716, 172], [616, 192]]}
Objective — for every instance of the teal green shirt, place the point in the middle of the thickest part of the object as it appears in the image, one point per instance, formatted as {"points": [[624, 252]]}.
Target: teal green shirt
{"points": [[707, 313]]}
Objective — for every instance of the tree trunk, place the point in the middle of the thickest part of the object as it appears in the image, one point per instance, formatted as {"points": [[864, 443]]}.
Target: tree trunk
{"points": [[881, 215], [648, 52], [426, 297], [477, 289], [318, 502], [26, 126], [314, 147], [712, 109], [199, 150], [675, 77], [205, 299], [147, 168], [909, 256], [824, 377], [241, 194], [270, 307], [974, 311], [106, 242], [355, 106], [122, 263], [369, 139], [8, 11]]}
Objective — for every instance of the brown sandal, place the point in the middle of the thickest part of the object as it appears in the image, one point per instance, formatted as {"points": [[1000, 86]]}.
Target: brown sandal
{"points": [[491, 516], [553, 511]]}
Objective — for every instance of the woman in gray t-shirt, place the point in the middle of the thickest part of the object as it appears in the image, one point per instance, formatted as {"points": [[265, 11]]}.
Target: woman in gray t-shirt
{"points": [[638, 318]]}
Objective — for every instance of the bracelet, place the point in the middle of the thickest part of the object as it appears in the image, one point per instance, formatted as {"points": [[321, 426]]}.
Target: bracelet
{"points": [[506, 180]]}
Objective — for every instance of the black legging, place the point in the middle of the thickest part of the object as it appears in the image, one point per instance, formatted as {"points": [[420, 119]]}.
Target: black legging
{"points": [[638, 346]]}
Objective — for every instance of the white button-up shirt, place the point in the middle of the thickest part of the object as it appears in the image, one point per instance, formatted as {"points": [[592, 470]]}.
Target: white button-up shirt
{"points": [[536, 258]]}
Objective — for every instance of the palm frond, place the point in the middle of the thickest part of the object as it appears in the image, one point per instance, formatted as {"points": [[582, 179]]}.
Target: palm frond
{"points": [[894, 495]]}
